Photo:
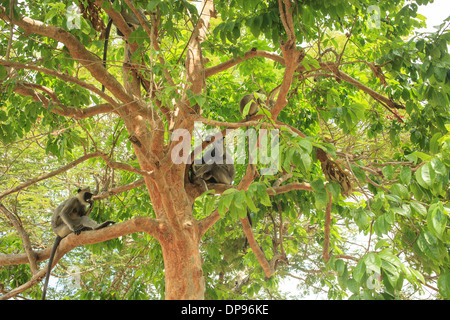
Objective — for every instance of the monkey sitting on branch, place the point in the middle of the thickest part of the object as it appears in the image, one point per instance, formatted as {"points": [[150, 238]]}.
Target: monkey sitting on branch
{"points": [[213, 167], [250, 103], [71, 216]]}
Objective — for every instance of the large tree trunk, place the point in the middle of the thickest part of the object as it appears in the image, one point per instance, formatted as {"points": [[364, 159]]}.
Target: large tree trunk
{"points": [[179, 237], [183, 265]]}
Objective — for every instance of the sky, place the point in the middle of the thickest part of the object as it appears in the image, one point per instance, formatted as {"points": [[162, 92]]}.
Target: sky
{"points": [[435, 12]]}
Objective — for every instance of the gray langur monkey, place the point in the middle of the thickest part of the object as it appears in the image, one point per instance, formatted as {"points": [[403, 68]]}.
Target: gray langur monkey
{"points": [[256, 103], [211, 172], [254, 107], [71, 216]]}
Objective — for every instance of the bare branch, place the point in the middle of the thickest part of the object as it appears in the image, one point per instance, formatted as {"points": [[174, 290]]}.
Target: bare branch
{"points": [[113, 191], [253, 53], [31, 255], [78, 51], [62, 76], [326, 230], [60, 109], [139, 224], [51, 174]]}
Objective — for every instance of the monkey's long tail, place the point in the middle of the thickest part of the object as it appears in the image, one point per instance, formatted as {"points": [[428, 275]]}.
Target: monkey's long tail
{"points": [[105, 46], [50, 262], [251, 224]]}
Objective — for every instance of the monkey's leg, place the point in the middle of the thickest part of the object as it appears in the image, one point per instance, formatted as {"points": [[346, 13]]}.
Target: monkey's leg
{"points": [[50, 262], [62, 230], [93, 225], [105, 224], [87, 222]]}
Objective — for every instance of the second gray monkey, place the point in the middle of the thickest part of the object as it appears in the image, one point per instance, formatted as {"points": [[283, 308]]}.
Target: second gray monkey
{"points": [[211, 172], [255, 105]]}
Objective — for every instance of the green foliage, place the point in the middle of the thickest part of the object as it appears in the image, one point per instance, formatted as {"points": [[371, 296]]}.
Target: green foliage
{"points": [[387, 240]]}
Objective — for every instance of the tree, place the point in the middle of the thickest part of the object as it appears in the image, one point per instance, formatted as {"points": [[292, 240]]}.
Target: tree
{"points": [[360, 113]]}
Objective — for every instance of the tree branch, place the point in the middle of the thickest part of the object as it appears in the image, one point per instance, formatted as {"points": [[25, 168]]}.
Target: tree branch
{"points": [[63, 77], [326, 230], [253, 53], [51, 174], [31, 255], [78, 51], [109, 162], [113, 191], [139, 224], [62, 110]]}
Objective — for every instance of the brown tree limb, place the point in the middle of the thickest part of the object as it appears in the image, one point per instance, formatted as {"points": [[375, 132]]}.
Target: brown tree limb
{"points": [[60, 109], [109, 162], [61, 76], [31, 255], [123, 166], [326, 230], [117, 190], [253, 53], [51, 174], [78, 51], [328, 66], [139, 224]]}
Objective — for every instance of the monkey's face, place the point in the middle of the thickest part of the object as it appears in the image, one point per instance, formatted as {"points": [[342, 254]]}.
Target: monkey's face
{"points": [[85, 194], [88, 197]]}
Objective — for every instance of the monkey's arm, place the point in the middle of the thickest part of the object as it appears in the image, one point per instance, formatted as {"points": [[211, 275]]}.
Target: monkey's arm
{"points": [[203, 171], [66, 210]]}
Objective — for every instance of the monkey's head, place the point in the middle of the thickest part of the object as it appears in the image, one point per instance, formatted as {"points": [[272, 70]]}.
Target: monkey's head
{"points": [[85, 195]]}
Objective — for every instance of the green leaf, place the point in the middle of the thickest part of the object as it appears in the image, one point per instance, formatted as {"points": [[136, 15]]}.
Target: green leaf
{"points": [[373, 262], [444, 285], [400, 190], [359, 173], [359, 110], [239, 200], [320, 193], [209, 205], [425, 175], [359, 270], [250, 203], [388, 171], [418, 208], [434, 143], [417, 275], [225, 203], [342, 279], [382, 243], [306, 145], [261, 193], [416, 189], [306, 162], [427, 243], [421, 155], [438, 167], [381, 226], [388, 256], [437, 220], [361, 218], [405, 175], [334, 188], [340, 266], [420, 45], [353, 286]]}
